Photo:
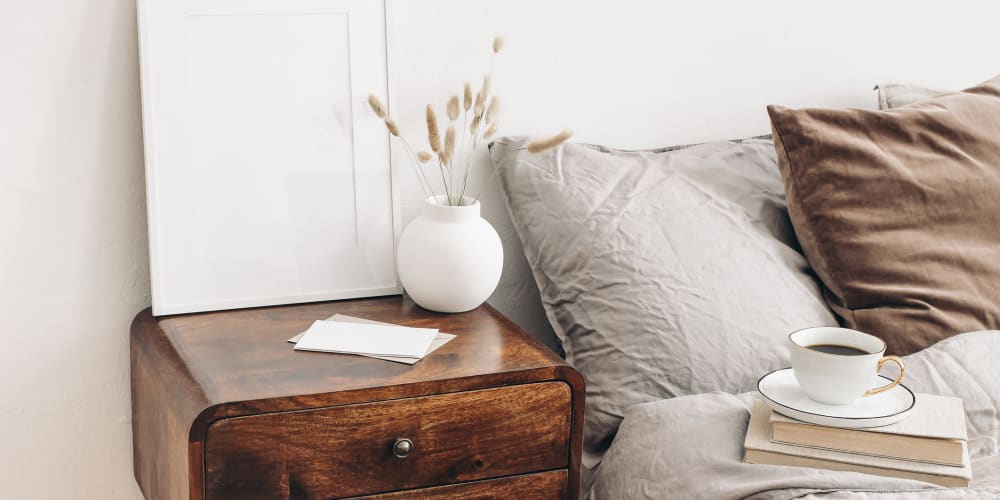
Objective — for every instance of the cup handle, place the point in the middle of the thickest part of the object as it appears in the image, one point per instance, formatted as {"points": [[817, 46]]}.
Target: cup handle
{"points": [[894, 383]]}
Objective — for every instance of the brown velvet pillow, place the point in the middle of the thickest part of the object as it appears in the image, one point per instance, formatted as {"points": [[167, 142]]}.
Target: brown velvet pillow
{"points": [[899, 212]]}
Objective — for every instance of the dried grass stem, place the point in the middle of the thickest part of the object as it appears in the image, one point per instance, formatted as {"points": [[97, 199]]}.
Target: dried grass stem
{"points": [[493, 111], [449, 142], [376, 106], [433, 134], [549, 143], [480, 105], [391, 125]]}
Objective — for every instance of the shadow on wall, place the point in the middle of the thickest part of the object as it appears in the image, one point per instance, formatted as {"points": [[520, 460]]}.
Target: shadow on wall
{"points": [[517, 295]]}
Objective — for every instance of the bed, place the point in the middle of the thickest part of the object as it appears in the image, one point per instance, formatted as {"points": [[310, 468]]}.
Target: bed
{"points": [[672, 277]]}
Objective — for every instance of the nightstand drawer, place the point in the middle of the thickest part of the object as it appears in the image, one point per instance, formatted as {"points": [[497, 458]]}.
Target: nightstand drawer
{"points": [[543, 485], [349, 450]]}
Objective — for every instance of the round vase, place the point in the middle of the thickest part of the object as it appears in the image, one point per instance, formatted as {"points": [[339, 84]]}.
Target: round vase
{"points": [[449, 258]]}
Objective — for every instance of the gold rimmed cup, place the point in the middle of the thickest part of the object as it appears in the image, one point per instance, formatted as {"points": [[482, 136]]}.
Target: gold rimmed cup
{"points": [[837, 366]]}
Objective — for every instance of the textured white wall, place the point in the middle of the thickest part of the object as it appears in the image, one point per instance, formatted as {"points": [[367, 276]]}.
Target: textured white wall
{"points": [[632, 73], [73, 263]]}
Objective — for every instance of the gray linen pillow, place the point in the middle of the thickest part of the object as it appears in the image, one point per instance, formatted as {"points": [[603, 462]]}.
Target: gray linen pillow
{"points": [[896, 95], [665, 272]]}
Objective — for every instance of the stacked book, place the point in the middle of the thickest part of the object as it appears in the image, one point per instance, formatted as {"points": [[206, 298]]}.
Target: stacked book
{"points": [[929, 445], [342, 334]]}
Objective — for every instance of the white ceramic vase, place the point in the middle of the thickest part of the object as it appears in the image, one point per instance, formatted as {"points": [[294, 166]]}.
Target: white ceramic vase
{"points": [[449, 258]]}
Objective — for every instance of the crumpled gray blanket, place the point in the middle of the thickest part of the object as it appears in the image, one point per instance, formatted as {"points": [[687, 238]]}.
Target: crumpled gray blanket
{"points": [[691, 447]]}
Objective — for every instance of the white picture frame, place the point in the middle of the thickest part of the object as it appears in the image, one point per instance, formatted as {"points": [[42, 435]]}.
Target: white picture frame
{"points": [[268, 180]]}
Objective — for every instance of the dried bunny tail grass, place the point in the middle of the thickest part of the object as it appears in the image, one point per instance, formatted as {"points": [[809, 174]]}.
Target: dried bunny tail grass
{"points": [[453, 108], [376, 105], [493, 111], [490, 132], [467, 98], [424, 156], [391, 125], [480, 104], [433, 135], [497, 44], [474, 125], [449, 142], [551, 142], [445, 159], [487, 85]]}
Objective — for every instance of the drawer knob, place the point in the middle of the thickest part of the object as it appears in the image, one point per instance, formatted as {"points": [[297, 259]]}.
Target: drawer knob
{"points": [[402, 447]]}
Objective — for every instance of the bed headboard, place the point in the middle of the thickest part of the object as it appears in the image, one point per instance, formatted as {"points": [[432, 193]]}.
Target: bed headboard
{"points": [[650, 73]]}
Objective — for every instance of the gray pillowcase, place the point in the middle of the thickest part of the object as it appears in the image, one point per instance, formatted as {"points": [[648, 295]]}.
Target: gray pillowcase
{"points": [[664, 273], [895, 95]]}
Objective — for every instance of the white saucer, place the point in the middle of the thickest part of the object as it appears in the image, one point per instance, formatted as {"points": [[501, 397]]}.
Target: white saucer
{"points": [[782, 393]]}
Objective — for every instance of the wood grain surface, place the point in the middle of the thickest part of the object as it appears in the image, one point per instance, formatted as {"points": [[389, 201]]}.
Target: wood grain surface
{"points": [[528, 486], [191, 371], [347, 450]]}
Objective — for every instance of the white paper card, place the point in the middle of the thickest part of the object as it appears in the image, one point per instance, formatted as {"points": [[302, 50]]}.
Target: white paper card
{"points": [[356, 338], [441, 339]]}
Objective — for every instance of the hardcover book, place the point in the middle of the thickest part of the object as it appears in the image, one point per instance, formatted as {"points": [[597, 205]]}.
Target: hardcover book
{"points": [[759, 449], [934, 432]]}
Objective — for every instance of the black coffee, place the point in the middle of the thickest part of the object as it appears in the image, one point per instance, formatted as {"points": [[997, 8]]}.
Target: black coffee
{"points": [[843, 350]]}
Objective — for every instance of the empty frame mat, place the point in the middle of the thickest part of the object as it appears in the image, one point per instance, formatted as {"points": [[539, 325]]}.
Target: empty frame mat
{"points": [[268, 179]]}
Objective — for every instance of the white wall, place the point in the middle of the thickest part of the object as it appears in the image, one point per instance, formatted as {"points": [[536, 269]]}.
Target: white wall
{"points": [[73, 263], [650, 73], [631, 73]]}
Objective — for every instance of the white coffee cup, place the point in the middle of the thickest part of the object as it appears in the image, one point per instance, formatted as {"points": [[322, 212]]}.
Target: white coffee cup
{"points": [[837, 366]]}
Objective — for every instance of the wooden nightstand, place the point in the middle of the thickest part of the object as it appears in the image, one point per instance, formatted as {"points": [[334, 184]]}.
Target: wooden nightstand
{"points": [[224, 408]]}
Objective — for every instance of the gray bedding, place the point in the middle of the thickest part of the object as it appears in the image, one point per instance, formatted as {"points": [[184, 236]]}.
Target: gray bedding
{"points": [[665, 272], [691, 447]]}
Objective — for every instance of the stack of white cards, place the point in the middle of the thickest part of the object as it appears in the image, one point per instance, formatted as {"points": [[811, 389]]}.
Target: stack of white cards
{"points": [[350, 335]]}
